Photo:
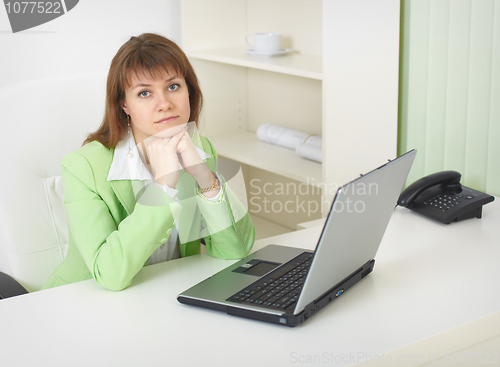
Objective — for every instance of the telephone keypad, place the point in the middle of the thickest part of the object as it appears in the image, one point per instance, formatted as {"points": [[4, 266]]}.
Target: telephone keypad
{"points": [[444, 201]]}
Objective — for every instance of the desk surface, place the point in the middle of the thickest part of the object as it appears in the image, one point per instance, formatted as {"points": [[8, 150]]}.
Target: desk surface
{"points": [[434, 290]]}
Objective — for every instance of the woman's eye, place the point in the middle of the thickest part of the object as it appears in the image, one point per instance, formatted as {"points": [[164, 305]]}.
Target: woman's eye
{"points": [[173, 87], [144, 93]]}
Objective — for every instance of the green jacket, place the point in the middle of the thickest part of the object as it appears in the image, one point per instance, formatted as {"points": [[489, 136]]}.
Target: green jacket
{"points": [[111, 234]]}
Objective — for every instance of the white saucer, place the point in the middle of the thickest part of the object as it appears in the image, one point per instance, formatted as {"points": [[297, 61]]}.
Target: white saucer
{"points": [[267, 54]]}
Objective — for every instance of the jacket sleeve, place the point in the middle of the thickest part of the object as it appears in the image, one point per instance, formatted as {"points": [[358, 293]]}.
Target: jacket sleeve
{"points": [[114, 251], [227, 229]]}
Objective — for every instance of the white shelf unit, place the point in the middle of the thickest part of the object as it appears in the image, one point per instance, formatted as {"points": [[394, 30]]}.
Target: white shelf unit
{"points": [[340, 82], [244, 146]]}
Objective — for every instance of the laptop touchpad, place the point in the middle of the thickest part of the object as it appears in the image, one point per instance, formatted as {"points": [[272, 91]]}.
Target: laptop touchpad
{"points": [[256, 267]]}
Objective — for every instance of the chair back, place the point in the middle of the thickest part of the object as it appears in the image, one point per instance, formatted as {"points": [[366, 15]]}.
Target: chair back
{"points": [[41, 121]]}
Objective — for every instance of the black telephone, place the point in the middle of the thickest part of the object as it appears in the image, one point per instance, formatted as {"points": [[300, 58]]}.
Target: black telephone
{"points": [[440, 196]]}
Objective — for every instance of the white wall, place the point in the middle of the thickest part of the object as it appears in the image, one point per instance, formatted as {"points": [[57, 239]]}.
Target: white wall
{"points": [[360, 85], [83, 40]]}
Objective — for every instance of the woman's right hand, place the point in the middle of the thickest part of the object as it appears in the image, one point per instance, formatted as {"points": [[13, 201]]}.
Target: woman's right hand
{"points": [[163, 160]]}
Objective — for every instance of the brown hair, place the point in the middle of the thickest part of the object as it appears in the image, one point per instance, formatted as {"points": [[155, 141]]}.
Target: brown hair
{"points": [[151, 55]]}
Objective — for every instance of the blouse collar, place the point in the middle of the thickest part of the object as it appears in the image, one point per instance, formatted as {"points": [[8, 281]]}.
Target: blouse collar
{"points": [[127, 166]]}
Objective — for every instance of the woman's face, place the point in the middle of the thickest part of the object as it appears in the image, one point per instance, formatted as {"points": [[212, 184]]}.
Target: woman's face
{"points": [[157, 107]]}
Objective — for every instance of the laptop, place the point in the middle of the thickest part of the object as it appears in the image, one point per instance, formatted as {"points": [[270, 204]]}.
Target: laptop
{"points": [[286, 285]]}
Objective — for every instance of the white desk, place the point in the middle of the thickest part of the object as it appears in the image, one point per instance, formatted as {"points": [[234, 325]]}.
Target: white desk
{"points": [[434, 291]]}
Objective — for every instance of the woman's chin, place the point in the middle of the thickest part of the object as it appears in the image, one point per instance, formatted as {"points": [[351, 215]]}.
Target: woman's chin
{"points": [[170, 131]]}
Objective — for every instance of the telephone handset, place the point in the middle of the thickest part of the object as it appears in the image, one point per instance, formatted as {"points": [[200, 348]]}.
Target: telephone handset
{"points": [[440, 196]]}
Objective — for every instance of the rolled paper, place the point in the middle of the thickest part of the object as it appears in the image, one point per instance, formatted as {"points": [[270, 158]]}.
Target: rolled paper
{"points": [[281, 136], [313, 140], [308, 151]]}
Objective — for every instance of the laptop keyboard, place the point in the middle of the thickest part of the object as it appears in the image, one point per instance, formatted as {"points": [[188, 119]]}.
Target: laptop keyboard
{"points": [[279, 289]]}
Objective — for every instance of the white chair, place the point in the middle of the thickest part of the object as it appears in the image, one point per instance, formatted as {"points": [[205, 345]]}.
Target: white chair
{"points": [[41, 121]]}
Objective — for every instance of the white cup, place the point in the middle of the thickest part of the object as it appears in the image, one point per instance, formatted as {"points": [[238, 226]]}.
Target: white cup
{"points": [[265, 42]]}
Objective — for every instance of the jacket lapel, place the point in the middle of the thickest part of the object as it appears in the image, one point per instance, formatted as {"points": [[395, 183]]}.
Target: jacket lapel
{"points": [[125, 193], [122, 188]]}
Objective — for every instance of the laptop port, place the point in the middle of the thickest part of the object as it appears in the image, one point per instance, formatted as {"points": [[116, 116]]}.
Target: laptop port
{"points": [[339, 292], [314, 308]]}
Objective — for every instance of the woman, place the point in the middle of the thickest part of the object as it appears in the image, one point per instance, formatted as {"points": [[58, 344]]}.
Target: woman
{"points": [[144, 187]]}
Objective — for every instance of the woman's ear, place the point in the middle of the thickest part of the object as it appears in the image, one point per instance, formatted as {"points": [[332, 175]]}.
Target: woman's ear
{"points": [[124, 107]]}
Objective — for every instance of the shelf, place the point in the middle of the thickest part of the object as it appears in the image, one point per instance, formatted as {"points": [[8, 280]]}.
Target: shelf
{"points": [[246, 148], [297, 64]]}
